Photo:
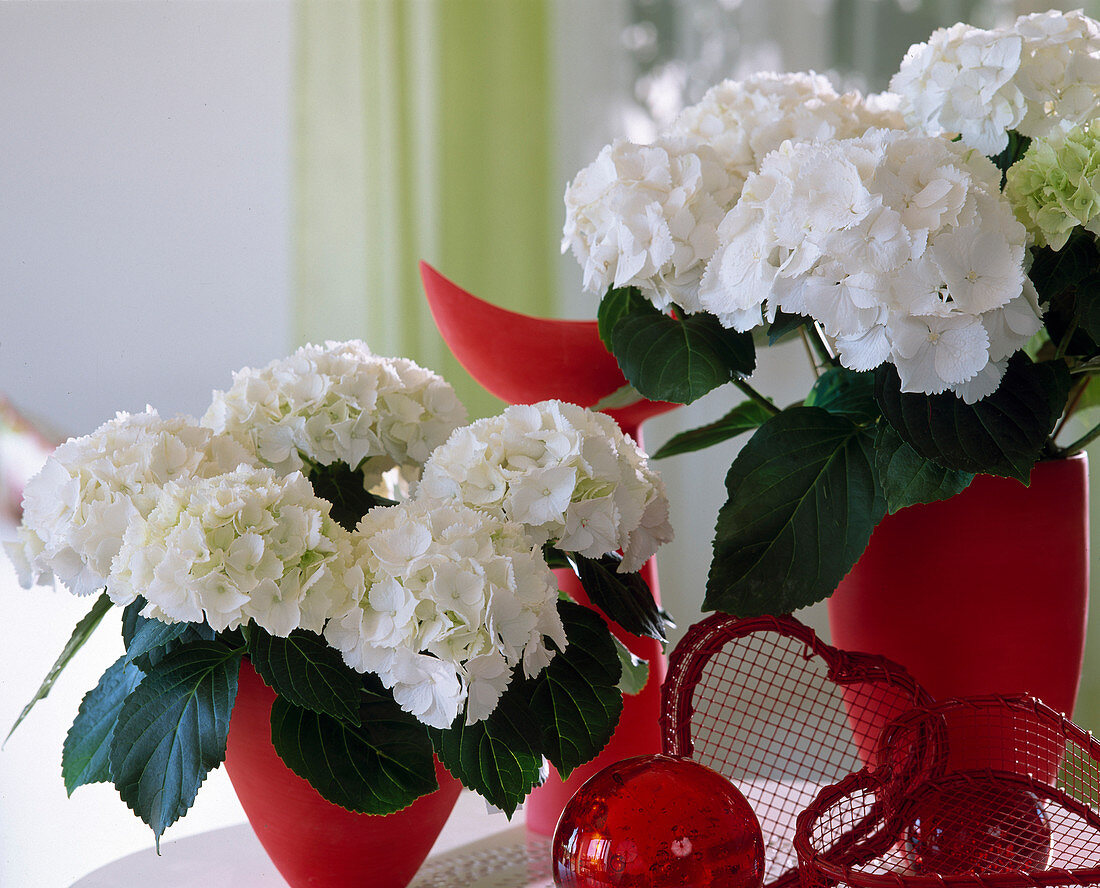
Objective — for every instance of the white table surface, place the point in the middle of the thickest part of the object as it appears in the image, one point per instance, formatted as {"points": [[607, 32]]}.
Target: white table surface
{"points": [[232, 857]]}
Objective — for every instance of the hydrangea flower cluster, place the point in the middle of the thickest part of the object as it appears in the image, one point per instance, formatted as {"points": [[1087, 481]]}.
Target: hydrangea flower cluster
{"points": [[448, 601], [243, 546], [1054, 185], [77, 508], [900, 245], [1031, 76], [338, 403], [744, 120], [647, 215], [568, 475]]}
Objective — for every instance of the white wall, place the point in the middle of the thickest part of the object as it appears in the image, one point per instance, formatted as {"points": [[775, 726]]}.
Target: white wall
{"points": [[144, 160], [144, 231]]}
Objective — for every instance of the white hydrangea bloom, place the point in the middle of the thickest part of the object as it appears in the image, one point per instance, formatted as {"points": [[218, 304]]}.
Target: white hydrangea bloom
{"points": [[338, 403], [900, 245], [246, 546], [567, 474], [745, 120], [1039, 73], [77, 508], [646, 216], [449, 601]]}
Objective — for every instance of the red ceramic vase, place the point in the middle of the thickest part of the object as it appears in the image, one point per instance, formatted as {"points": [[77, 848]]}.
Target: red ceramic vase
{"points": [[314, 843], [528, 359], [983, 593]]}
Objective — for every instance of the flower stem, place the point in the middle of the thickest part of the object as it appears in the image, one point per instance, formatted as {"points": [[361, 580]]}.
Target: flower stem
{"points": [[1081, 443], [740, 382], [824, 352], [1074, 399], [1063, 345], [810, 352]]}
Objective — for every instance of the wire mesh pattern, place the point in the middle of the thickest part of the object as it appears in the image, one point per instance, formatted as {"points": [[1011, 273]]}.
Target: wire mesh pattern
{"points": [[985, 791], [766, 703]]}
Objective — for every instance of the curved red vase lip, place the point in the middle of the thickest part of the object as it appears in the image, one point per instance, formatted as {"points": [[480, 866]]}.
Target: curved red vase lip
{"points": [[523, 359]]}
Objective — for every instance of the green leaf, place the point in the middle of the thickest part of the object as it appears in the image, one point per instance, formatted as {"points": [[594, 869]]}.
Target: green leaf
{"points": [[379, 766], [342, 486], [624, 396], [306, 671], [802, 503], [1054, 272], [907, 478], [1002, 434], [84, 757], [616, 305], [846, 393], [495, 757], [149, 641], [745, 417], [80, 634], [675, 359], [623, 597], [1015, 149], [635, 669], [576, 700], [1088, 306], [785, 323], [172, 730]]}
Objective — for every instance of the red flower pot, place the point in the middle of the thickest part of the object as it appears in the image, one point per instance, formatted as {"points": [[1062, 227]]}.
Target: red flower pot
{"points": [[312, 842], [983, 593]]}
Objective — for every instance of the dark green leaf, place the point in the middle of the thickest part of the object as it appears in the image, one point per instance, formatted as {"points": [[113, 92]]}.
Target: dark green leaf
{"points": [[151, 635], [744, 417], [306, 671], [907, 478], [172, 730], [846, 393], [1015, 149], [1088, 306], [342, 486], [785, 323], [555, 558], [84, 757], [1053, 272], [81, 633], [149, 641], [1002, 434], [576, 701], [616, 305], [623, 597], [677, 358], [495, 757], [802, 504], [380, 766]]}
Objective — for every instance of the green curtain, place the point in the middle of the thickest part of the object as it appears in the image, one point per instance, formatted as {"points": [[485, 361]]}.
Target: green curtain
{"points": [[424, 130]]}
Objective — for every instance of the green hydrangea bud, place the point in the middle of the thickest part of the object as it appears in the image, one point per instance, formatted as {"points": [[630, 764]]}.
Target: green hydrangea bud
{"points": [[1055, 186]]}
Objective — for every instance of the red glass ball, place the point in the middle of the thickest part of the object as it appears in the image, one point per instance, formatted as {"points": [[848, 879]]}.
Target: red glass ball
{"points": [[656, 821], [978, 825]]}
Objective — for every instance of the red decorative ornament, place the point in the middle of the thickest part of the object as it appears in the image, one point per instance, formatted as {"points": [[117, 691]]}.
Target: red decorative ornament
{"points": [[657, 821], [978, 825]]}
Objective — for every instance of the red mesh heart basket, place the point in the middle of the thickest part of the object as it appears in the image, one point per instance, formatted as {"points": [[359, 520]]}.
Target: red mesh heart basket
{"points": [[766, 703], [1001, 792]]}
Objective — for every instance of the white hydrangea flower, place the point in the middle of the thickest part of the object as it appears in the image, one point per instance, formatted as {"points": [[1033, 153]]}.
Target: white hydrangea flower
{"points": [[77, 508], [1039, 73], [900, 245], [745, 120], [246, 546], [338, 403], [646, 216], [449, 601], [567, 474]]}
